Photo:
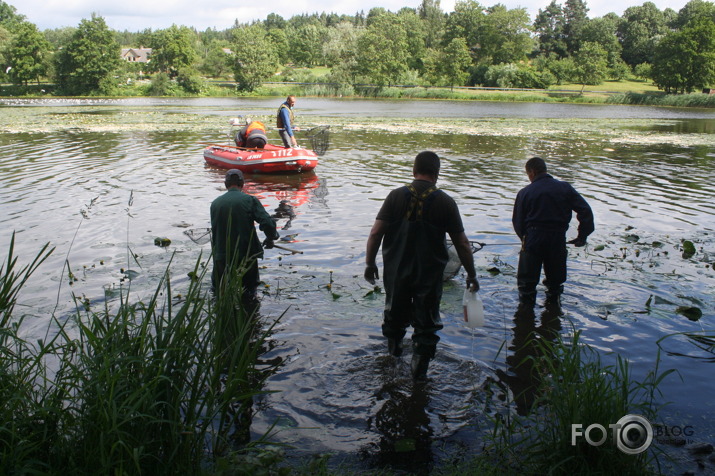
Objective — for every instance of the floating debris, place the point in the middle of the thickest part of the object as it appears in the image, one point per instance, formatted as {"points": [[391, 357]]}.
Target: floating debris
{"points": [[162, 242]]}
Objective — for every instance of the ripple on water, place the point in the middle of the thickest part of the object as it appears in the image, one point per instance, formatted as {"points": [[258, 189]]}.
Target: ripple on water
{"points": [[338, 391]]}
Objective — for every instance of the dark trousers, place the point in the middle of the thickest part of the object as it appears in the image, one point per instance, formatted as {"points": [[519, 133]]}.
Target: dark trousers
{"points": [[249, 281], [414, 304], [285, 138], [547, 249]]}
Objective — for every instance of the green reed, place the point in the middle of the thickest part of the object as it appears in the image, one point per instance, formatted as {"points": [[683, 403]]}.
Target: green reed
{"points": [[157, 387], [575, 387]]}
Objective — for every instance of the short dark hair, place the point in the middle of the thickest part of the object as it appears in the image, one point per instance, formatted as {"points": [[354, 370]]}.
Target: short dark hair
{"points": [[427, 163], [536, 165]]}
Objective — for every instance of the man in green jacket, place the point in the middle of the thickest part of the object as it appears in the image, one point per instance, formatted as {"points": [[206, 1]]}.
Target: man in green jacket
{"points": [[233, 232]]}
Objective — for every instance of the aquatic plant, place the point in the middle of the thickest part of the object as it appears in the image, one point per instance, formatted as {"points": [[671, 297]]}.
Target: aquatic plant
{"points": [[156, 387], [574, 387]]}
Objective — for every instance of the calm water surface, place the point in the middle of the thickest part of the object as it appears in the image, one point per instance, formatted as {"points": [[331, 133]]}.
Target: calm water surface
{"points": [[95, 194]]}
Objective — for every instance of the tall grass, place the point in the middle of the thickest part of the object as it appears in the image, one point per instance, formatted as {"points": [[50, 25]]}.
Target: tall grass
{"points": [[160, 387], [662, 99], [575, 387]]}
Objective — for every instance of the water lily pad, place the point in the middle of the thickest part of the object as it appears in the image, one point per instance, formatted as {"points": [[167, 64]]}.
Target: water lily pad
{"points": [[691, 312], [600, 247], [688, 249], [493, 270], [657, 244], [631, 238], [130, 274]]}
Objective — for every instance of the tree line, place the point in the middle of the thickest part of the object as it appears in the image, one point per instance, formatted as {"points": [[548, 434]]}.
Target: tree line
{"points": [[474, 45]]}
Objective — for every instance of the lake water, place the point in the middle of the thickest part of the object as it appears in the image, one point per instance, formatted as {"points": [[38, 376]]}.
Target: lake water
{"points": [[100, 180]]}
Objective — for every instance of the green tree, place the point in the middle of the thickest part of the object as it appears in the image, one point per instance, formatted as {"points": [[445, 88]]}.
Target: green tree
{"points": [[341, 44], [341, 52], [466, 22], [505, 35], [274, 21], [685, 60], [455, 61], [279, 40], [415, 28], [434, 18], [643, 71], [59, 37], [549, 28], [254, 57], [218, 62], [695, 9], [603, 32], [561, 69], [26, 54], [9, 18], [89, 60], [382, 50], [639, 31], [306, 44], [5, 39], [173, 49], [575, 18], [591, 64]]}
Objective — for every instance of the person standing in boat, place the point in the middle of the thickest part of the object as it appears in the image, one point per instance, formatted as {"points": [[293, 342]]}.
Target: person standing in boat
{"points": [[541, 216], [411, 226], [284, 122], [252, 135], [234, 240]]}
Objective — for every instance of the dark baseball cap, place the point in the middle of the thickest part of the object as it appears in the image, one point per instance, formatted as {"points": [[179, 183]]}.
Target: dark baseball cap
{"points": [[234, 173]]}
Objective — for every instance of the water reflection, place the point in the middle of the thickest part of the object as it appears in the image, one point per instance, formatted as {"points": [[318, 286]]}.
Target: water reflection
{"points": [[406, 434], [330, 333], [526, 348], [242, 397]]}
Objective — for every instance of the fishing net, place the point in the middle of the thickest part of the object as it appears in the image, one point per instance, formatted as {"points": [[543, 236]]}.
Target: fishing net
{"points": [[200, 236], [453, 265], [319, 139]]}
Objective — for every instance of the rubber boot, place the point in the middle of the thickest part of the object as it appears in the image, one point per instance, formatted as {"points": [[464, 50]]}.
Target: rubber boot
{"points": [[420, 363], [394, 347], [526, 301], [553, 297]]}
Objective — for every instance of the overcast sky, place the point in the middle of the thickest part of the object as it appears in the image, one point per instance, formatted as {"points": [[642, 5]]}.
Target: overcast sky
{"points": [[137, 15]]}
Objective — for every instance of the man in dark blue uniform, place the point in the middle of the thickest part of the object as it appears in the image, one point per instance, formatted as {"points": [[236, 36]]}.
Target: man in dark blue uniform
{"points": [[412, 225], [541, 216]]}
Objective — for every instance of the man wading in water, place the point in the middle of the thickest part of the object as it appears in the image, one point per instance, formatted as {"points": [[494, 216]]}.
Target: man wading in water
{"points": [[412, 226], [541, 216]]}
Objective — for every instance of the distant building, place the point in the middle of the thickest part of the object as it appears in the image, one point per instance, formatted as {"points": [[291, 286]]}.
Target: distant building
{"points": [[136, 55]]}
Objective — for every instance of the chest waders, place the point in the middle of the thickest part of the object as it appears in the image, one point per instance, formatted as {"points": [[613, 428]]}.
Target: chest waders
{"points": [[414, 257]]}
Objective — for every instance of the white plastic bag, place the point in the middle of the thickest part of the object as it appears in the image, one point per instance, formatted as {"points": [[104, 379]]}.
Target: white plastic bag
{"points": [[473, 309]]}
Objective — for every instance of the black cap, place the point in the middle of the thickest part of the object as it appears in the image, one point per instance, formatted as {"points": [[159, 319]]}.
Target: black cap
{"points": [[234, 172]]}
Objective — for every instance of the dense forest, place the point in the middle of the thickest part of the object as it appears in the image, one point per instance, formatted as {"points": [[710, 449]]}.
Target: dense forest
{"points": [[474, 45]]}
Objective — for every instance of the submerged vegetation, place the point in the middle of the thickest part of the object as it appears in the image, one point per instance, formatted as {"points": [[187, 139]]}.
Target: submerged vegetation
{"points": [[157, 387]]}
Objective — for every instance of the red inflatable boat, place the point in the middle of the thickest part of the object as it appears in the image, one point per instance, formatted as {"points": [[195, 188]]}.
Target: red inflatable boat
{"points": [[272, 159]]}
